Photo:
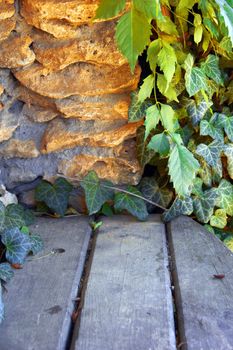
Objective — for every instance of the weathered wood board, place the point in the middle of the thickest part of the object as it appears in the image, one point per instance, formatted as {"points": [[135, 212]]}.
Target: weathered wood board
{"points": [[39, 301], [205, 304], [128, 302]]}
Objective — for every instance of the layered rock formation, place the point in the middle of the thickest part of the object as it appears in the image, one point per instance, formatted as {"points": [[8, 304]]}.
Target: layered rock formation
{"points": [[64, 94]]}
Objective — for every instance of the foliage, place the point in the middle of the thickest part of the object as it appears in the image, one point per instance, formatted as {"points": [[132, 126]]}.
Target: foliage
{"points": [[185, 101], [15, 242]]}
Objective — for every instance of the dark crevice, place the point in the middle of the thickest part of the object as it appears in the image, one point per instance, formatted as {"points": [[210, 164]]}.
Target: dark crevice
{"points": [[76, 316], [181, 342]]}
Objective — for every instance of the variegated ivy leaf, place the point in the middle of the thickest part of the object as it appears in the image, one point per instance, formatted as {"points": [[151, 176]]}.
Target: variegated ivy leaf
{"points": [[182, 169], [229, 242], [197, 111], [17, 245], [228, 151], [211, 153], [204, 205], [195, 78], [226, 123], [144, 154], [219, 219], [209, 128], [6, 272], [151, 190], [152, 119], [205, 173], [226, 14], [197, 187], [137, 109], [225, 196], [179, 207], [134, 205], [159, 143], [211, 68]]}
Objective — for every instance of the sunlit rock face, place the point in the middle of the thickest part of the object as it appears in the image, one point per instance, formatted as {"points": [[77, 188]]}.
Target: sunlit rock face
{"points": [[64, 94]]}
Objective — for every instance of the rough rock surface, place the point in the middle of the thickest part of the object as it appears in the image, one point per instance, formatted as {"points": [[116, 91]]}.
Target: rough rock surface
{"points": [[90, 80], [64, 94], [93, 44]]}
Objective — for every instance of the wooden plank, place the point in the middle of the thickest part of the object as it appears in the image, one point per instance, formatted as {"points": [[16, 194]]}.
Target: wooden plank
{"points": [[128, 303], [40, 297], [205, 304]]}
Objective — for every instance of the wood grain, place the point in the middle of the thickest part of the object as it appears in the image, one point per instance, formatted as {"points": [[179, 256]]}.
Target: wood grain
{"points": [[128, 303], [205, 304], [40, 297]]}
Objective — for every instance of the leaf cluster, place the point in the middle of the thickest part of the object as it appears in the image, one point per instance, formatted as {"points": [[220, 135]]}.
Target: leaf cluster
{"points": [[15, 242], [185, 101]]}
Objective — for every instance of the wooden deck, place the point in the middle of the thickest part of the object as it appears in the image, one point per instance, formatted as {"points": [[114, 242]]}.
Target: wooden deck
{"points": [[132, 286]]}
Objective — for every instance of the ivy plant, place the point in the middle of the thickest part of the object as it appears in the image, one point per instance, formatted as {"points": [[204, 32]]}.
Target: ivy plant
{"points": [[185, 101], [16, 242]]}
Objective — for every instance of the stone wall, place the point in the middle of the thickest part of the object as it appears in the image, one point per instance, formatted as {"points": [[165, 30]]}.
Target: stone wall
{"points": [[64, 94]]}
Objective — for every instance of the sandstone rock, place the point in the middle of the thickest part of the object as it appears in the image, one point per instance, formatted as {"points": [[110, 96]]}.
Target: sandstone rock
{"points": [[1, 89], [94, 44], [78, 79], [15, 52], [19, 149], [105, 107], [6, 27], [60, 18], [7, 9], [32, 98], [61, 135], [39, 114], [8, 124], [120, 170]]}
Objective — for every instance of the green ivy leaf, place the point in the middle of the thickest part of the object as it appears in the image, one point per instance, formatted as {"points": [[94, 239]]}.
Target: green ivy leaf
{"points": [[182, 169], [133, 35], [209, 128], [166, 90], [225, 196], [226, 12], [151, 190], [17, 245], [159, 143], [146, 88], [226, 123], [36, 244], [179, 207], [109, 8], [152, 119], [211, 153], [152, 53], [6, 272], [211, 68], [219, 219], [14, 216], [195, 78], [151, 9], [168, 118], [167, 61], [137, 109], [144, 154], [135, 206], [55, 196], [197, 111], [228, 151], [204, 205], [95, 192]]}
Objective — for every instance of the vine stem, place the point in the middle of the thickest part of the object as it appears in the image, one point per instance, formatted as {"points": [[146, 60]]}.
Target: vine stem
{"points": [[115, 189]]}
